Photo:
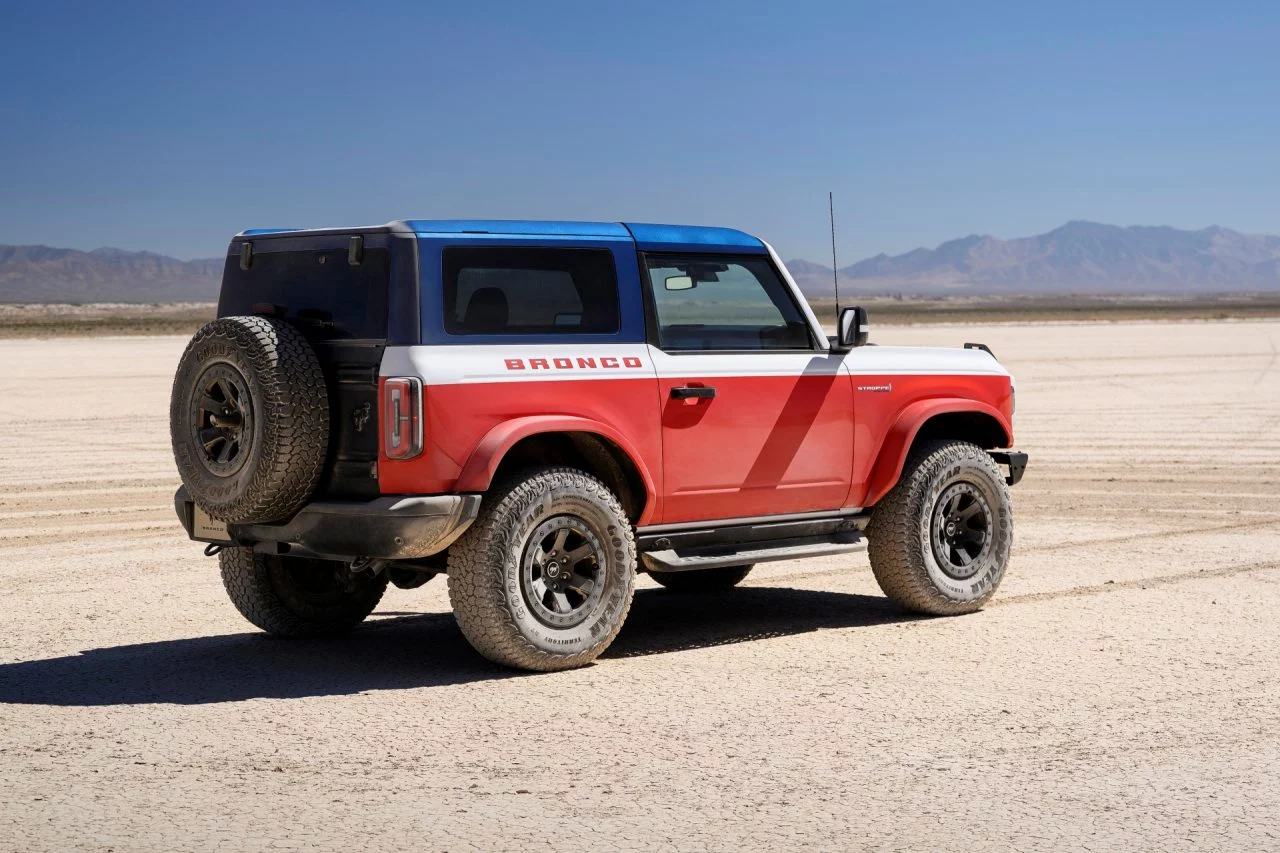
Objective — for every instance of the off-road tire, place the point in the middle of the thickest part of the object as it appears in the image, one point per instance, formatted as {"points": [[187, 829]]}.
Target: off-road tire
{"points": [[297, 596], [490, 596], [703, 580], [901, 531], [286, 419]]}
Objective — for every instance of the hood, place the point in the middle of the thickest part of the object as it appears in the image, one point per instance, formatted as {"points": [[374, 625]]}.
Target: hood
{"points": [[876, 359]]}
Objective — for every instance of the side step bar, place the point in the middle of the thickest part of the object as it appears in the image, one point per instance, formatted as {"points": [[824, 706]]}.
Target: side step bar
{"points": [[692, 559]]}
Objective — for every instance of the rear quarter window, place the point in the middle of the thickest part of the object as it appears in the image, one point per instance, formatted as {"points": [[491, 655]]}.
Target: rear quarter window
{"points": [[513, 291]]}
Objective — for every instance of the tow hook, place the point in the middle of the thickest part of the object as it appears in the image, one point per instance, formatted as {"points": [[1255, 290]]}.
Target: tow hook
{"points": [[212, 550]]}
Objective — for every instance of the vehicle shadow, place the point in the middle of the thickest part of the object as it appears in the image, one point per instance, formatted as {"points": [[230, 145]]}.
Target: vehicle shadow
{"points": [[398, 651]]}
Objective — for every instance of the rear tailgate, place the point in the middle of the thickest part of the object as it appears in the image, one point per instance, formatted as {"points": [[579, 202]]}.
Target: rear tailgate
{"points": [[338, 298]]}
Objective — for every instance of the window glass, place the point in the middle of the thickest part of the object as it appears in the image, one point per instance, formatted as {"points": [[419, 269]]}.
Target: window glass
{"points": [[708, 302], [318, 284], [499, 291]]}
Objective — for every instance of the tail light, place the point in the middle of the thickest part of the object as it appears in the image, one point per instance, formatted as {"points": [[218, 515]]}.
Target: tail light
{"points": [[402, 410]]}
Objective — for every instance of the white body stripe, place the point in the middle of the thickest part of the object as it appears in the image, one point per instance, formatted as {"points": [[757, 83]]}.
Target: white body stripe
{"points": [[922, 360], [743, 364], [452, 364]]}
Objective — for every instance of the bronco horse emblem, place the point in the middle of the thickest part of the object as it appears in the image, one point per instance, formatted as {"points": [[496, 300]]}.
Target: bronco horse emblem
{"points": [[360, 416]]}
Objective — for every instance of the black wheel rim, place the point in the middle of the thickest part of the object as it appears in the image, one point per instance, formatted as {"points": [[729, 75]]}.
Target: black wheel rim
{"points": [[961, 530], [222, 419], [562, 576]]}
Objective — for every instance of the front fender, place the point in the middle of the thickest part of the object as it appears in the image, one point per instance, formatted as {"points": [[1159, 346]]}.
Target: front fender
{"points": [[903, 431], [477, 473]]}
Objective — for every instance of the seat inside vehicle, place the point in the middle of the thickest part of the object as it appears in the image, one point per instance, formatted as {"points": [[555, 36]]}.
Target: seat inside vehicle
{"points": [[487, 311]]}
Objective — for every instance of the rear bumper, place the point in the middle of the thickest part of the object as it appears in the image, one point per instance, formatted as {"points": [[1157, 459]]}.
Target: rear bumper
{"points": [[397, 527], [1016, 461]]}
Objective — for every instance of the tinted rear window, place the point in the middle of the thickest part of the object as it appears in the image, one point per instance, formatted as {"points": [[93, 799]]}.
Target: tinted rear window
{"points": [[498, 291], [312, 285]]}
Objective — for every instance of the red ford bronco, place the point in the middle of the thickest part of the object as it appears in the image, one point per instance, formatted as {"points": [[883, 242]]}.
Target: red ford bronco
{"points": [[540, 410]]}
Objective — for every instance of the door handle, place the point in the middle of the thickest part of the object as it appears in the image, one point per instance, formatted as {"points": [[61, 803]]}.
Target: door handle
{"points": [[689, 392]]}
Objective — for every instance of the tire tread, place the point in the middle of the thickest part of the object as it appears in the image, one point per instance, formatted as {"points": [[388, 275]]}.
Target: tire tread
{"points": [[894, 530], [248, 585], [477, 587], [293, 413]]}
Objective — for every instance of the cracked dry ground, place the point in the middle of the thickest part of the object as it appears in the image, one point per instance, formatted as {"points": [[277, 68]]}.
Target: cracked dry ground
{"points": [[1121, 692]]}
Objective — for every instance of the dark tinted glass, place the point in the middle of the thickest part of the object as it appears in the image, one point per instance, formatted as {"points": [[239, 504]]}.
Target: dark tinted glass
{"points": [[313, 285], [705, 302], [529, 291]]}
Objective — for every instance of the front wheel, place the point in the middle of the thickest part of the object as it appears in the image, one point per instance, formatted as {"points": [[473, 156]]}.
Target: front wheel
{"points": [[297, 596], [939, 541], [543, 579]]}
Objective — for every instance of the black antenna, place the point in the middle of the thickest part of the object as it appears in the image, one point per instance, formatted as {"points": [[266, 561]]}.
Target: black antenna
{"points": [[835, 275]]}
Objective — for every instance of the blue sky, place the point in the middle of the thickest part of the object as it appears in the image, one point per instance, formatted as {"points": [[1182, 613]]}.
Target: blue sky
{"points": [[170, 126]]}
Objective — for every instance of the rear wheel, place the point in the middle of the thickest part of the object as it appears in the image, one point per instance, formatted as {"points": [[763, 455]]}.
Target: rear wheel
{"points": [[296, 596], [703, 580], [939, 541], [543, 579]]}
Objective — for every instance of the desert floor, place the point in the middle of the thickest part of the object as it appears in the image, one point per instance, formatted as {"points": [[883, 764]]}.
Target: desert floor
{"points": [[1121, 692]]}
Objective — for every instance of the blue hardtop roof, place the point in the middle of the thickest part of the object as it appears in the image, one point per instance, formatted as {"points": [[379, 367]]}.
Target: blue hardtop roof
{"points": [[533, 228], [648, 236]]}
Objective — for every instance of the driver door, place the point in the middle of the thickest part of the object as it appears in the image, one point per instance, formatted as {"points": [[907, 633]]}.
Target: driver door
{"points": [[757, 419]]}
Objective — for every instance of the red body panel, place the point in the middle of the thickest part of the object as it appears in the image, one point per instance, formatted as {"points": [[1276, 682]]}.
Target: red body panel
{"points": [[764, 445], [477, 475], [880, 423], [458, 417], [761, 446]]}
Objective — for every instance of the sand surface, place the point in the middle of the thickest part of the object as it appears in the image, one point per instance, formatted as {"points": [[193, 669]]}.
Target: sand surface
{"points": [[1122, 692]]}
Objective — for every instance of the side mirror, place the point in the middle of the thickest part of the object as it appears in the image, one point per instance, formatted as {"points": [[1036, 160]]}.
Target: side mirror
{"points": [[853, 328], [680, 282]]}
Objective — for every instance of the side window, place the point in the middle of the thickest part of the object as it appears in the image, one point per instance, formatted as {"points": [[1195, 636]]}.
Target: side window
{"points": [[705, 302], [500, 291]]}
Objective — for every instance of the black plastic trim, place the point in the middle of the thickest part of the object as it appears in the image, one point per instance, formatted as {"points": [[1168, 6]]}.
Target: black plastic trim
{"points": [[687, 392], [393, 527], [750, 519], [1016, 460], [404, 315], [321, 232], [747, 553], [308, 243], [739, 531]]}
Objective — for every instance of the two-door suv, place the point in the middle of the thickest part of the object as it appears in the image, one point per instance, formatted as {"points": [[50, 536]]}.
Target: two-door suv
{"points": [[541, 410]]}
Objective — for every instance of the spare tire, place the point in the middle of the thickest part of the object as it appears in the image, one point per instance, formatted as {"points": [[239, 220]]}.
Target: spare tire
{"points": [[249, 419]]}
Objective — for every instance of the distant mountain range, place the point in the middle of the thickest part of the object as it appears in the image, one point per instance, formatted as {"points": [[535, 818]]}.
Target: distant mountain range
{"points": [[1079, 257], [42, 274]]}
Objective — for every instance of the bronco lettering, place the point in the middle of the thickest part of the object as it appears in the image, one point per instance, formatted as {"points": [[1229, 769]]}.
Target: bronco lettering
{"points": [[630, 362]]}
